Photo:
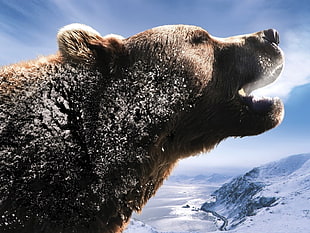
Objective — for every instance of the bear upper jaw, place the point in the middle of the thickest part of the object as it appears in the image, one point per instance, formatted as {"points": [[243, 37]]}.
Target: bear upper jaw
{"points": [[270, 62], [266, 78]]}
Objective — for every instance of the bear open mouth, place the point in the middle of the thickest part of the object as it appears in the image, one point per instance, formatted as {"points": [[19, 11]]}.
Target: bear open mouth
{"points": [[260, 104]]}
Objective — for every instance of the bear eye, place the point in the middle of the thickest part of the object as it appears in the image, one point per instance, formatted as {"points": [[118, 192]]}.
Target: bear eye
{"points": [[199, 37]]}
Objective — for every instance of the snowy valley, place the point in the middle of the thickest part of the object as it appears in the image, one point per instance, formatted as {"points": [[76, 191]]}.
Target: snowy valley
{"points": [[273, 198]]}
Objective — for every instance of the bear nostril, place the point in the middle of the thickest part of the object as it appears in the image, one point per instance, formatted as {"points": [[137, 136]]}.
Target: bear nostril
{"points": [[272, 36]]}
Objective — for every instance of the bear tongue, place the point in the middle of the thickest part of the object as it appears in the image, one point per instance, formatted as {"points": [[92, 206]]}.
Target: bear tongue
{"points": [[258, 104]]}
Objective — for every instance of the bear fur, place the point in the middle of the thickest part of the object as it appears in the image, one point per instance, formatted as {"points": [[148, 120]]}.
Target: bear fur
{"points": [[89, 134]]}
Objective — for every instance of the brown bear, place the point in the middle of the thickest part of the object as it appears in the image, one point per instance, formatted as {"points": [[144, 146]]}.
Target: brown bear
{"points": [[88, 135]]}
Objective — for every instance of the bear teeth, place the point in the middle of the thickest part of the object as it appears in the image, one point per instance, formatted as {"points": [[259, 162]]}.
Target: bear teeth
{"points": [[242, 92]]}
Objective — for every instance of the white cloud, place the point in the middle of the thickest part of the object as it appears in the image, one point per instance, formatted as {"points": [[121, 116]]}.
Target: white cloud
{"points": [[296, 46]]}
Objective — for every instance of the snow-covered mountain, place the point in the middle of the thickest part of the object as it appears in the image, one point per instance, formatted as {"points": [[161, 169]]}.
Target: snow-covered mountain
{"points": [[274, 198]]}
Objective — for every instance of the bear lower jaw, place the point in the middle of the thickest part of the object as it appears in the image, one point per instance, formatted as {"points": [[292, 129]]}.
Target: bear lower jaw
{"points": [[267, 108], [260, 104]]}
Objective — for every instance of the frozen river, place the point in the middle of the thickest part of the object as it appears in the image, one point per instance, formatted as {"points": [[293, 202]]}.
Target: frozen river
{"points": [[175, 207]]}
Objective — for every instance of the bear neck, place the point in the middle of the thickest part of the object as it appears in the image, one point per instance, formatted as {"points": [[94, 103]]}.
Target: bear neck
{"points": [[116, 120]]}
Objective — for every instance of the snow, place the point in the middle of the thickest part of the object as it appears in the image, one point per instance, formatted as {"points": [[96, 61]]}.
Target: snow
{"points": [[176, 206], [136, 226], [292, 188], [278, 195]]}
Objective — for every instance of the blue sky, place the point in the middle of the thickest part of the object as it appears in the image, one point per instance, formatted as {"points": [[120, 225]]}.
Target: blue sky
{"points": [[28, 29]]}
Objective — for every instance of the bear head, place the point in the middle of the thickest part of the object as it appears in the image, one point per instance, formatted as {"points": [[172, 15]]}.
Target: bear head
{"points": [[218, 74]]}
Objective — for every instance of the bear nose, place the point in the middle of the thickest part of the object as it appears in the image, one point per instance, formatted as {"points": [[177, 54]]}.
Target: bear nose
{"points": [[272, 36]]}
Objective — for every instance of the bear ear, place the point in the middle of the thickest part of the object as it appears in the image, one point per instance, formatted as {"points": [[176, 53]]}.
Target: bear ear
{"points": [[79, 43]]}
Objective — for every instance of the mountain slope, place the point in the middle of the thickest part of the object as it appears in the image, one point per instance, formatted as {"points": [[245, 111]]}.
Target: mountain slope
{"points": [[272, 198], [136, 226]]}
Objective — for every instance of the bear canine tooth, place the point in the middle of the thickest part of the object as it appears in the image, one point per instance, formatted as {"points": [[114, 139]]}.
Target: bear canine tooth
{"points": [[242, 92]]}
